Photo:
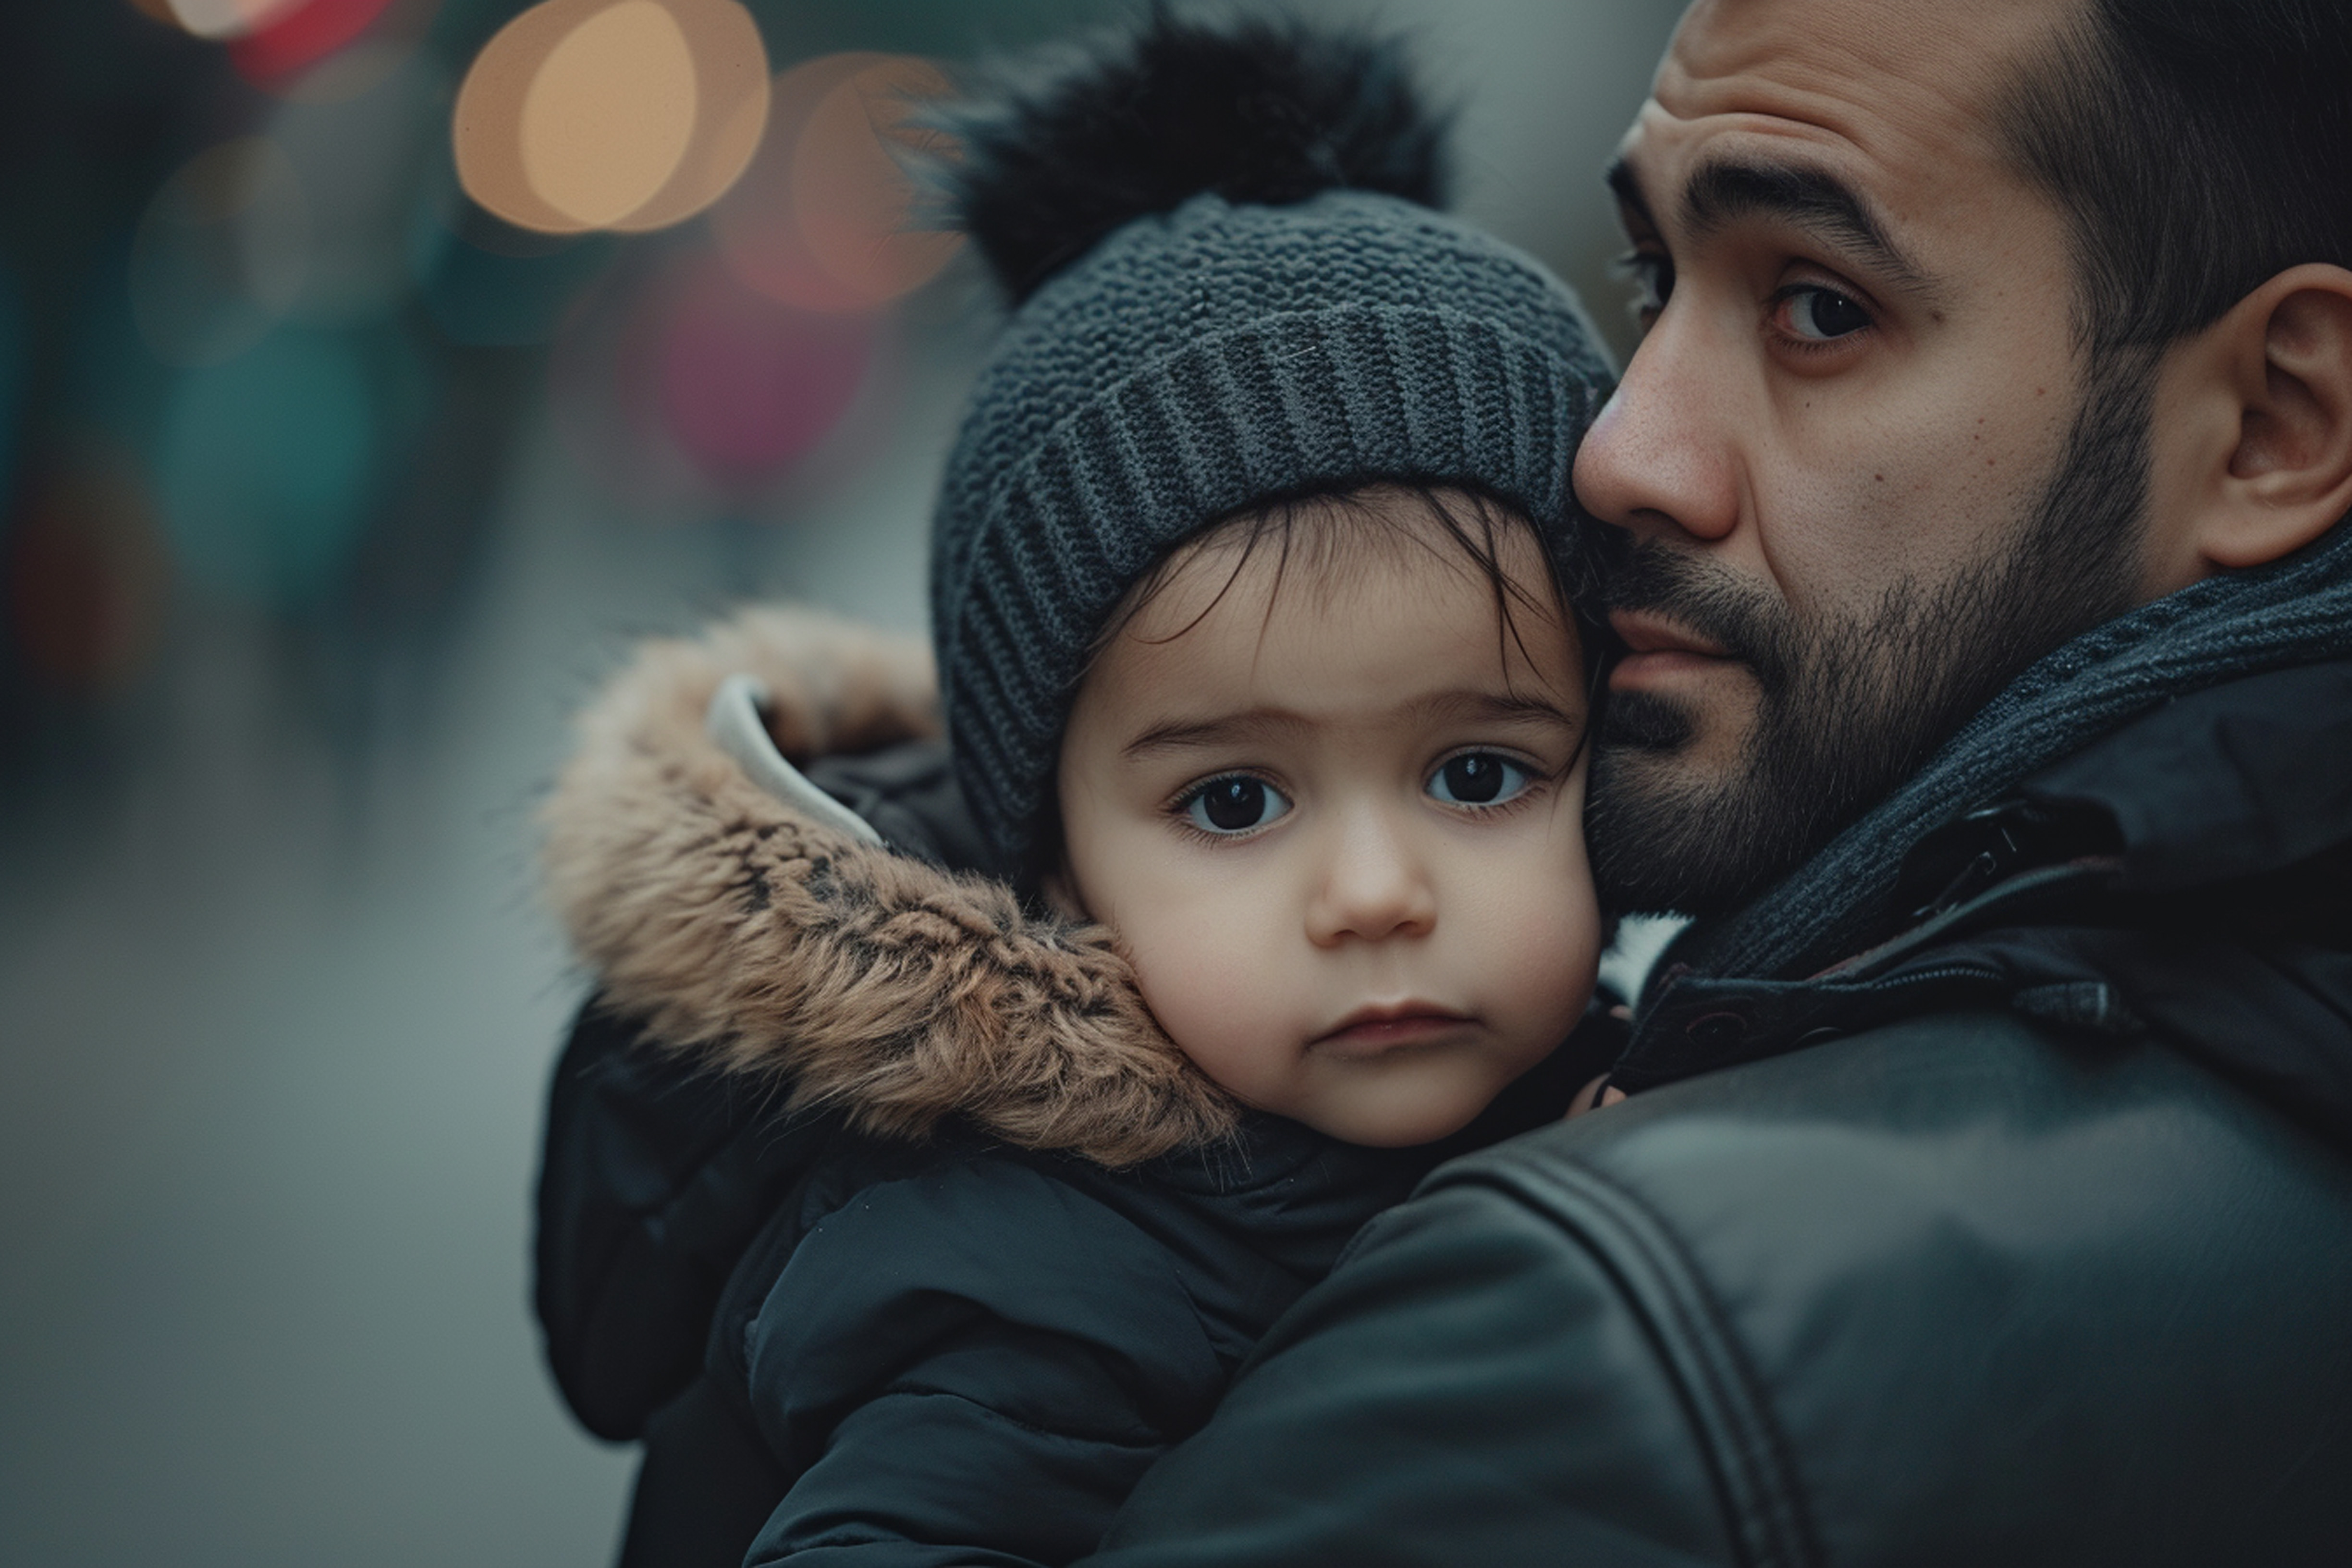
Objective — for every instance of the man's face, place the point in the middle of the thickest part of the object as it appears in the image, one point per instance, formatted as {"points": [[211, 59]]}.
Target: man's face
{"points": [[1861, 475]]}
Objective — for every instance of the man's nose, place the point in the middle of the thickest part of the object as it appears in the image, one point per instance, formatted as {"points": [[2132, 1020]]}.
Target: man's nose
{"points": [[1659, 456], [1374, 883]]}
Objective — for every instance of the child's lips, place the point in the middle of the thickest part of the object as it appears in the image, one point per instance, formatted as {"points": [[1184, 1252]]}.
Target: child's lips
{"points": [[1368, 1031]]}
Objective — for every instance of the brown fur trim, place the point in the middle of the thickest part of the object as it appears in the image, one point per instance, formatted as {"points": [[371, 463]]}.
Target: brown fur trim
{"points": [[866, 980]]}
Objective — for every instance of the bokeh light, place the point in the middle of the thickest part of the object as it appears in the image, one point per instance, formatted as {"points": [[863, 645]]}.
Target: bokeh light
{"points": [[271, 43], [220, 252], [16, 349], [608, 114], [266, 466], [295, 38], [365, 161], [487, 285], [731, 76], [748, 386], [853, 196], [357, 70], [685, 395], [223, 19], [87, 581], [311, 221], [821, 219], [629, 114]]}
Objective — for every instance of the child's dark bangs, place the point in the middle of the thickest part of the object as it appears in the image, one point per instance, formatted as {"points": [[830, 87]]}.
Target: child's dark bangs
{"points": [[1324, 533], [1477, 538]]}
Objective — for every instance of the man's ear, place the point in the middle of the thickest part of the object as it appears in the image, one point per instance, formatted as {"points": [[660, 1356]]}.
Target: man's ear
{"points": [[2267, 441]]}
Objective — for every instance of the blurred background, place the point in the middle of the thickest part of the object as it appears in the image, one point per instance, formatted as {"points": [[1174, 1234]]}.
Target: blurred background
{"points": [[372, 372]]}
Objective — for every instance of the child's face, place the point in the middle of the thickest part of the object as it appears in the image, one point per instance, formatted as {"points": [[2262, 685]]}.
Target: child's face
{"points": [[1339, 831]]}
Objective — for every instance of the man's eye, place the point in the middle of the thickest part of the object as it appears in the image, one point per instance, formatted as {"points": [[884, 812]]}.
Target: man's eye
{"points": [[1820, 315], [1235, 804], [1654, 281], [1478, 778]]}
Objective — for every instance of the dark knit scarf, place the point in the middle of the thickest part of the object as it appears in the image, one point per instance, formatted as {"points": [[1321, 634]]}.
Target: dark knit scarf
{"points": [[2296, 611]]}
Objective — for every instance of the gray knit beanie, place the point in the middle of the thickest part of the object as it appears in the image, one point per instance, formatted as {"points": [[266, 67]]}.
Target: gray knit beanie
{"points": [[1213, 313]]}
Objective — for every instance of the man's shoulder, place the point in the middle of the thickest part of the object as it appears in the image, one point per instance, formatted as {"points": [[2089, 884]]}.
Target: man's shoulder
{"points": [[1979, 1093], [1953, 1090], [1904, 1163], [1956, 1291], [1966, 1255]]}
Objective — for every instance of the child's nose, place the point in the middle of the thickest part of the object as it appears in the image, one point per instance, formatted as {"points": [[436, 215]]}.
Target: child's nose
{"points": [[1374, 884]]}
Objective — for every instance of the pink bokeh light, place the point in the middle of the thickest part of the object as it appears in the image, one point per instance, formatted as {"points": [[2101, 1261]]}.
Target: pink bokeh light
{"points": [[748, 385]]}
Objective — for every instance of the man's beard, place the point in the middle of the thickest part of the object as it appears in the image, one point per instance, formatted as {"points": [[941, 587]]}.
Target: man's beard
{"points": [[1851, 708]]}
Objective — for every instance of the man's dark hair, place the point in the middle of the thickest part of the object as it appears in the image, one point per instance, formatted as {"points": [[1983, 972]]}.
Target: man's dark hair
{"points": [[2198, 147]]}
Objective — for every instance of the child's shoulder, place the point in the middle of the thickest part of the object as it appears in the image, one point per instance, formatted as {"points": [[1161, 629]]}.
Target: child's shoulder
{"points": [[961, 1194], [754, 923]]}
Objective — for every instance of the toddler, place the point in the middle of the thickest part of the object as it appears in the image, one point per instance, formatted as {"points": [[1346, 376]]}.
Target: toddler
{"points": [[1268, 710]]}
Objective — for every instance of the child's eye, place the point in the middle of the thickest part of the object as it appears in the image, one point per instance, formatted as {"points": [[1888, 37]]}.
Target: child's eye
{"points": [[1235, 804], [1478, 778]]}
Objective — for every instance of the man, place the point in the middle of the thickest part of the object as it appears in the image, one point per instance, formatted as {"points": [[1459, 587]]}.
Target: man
{"points": [[1975, 1189]]}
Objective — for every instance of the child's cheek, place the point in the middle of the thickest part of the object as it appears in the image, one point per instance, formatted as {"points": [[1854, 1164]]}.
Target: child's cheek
{"points": [[1213, 978], [1527, 917]]}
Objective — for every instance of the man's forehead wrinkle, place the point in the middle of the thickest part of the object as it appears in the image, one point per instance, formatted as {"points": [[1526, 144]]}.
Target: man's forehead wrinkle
{"points": [[1904, 125], [1896, 82]]}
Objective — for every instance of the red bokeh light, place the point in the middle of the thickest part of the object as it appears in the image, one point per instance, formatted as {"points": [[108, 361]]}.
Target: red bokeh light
{"points": [[87, 579], [301, 36]]}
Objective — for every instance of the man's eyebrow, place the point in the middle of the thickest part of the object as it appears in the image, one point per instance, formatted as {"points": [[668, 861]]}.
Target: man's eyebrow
{"points": [[1626, 186], [1809, 197]]}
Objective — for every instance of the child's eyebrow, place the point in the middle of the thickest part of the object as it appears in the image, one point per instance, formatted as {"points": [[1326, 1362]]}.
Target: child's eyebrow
{"points": [[1185, 734], [1479, 707], [1492, 706]]}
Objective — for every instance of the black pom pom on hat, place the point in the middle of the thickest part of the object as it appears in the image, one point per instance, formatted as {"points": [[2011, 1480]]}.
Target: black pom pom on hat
{"points": [[1254, 110]]}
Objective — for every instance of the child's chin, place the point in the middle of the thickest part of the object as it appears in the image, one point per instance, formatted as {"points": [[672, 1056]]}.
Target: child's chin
{"points": [[1391, 1130]]}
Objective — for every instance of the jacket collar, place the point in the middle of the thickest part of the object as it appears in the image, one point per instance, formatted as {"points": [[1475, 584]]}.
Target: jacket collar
{"points": [[2292, 613], [2166, 880], [768, 937]]}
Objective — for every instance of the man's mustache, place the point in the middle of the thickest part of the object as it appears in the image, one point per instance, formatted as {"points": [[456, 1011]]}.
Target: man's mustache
{"points": [[1704, 598]]}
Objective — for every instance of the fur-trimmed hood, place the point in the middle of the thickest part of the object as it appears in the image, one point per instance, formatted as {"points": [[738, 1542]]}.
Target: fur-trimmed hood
{"points": [[773, 941]]}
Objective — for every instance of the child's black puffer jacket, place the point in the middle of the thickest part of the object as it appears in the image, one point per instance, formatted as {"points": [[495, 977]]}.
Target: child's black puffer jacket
{"points": [[875, 1205]]}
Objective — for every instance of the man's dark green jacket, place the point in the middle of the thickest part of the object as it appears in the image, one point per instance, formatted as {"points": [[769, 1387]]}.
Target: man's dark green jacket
{"points": [[2024, 1238]]}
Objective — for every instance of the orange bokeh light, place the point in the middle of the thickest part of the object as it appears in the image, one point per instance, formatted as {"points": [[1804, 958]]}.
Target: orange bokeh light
{"points": [[853, 197], [608, 113], [624, 114], [821, 219]]}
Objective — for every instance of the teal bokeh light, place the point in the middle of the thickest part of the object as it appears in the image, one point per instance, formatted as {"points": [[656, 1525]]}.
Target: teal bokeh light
{"points": [[266, 465], [489, 286]]}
